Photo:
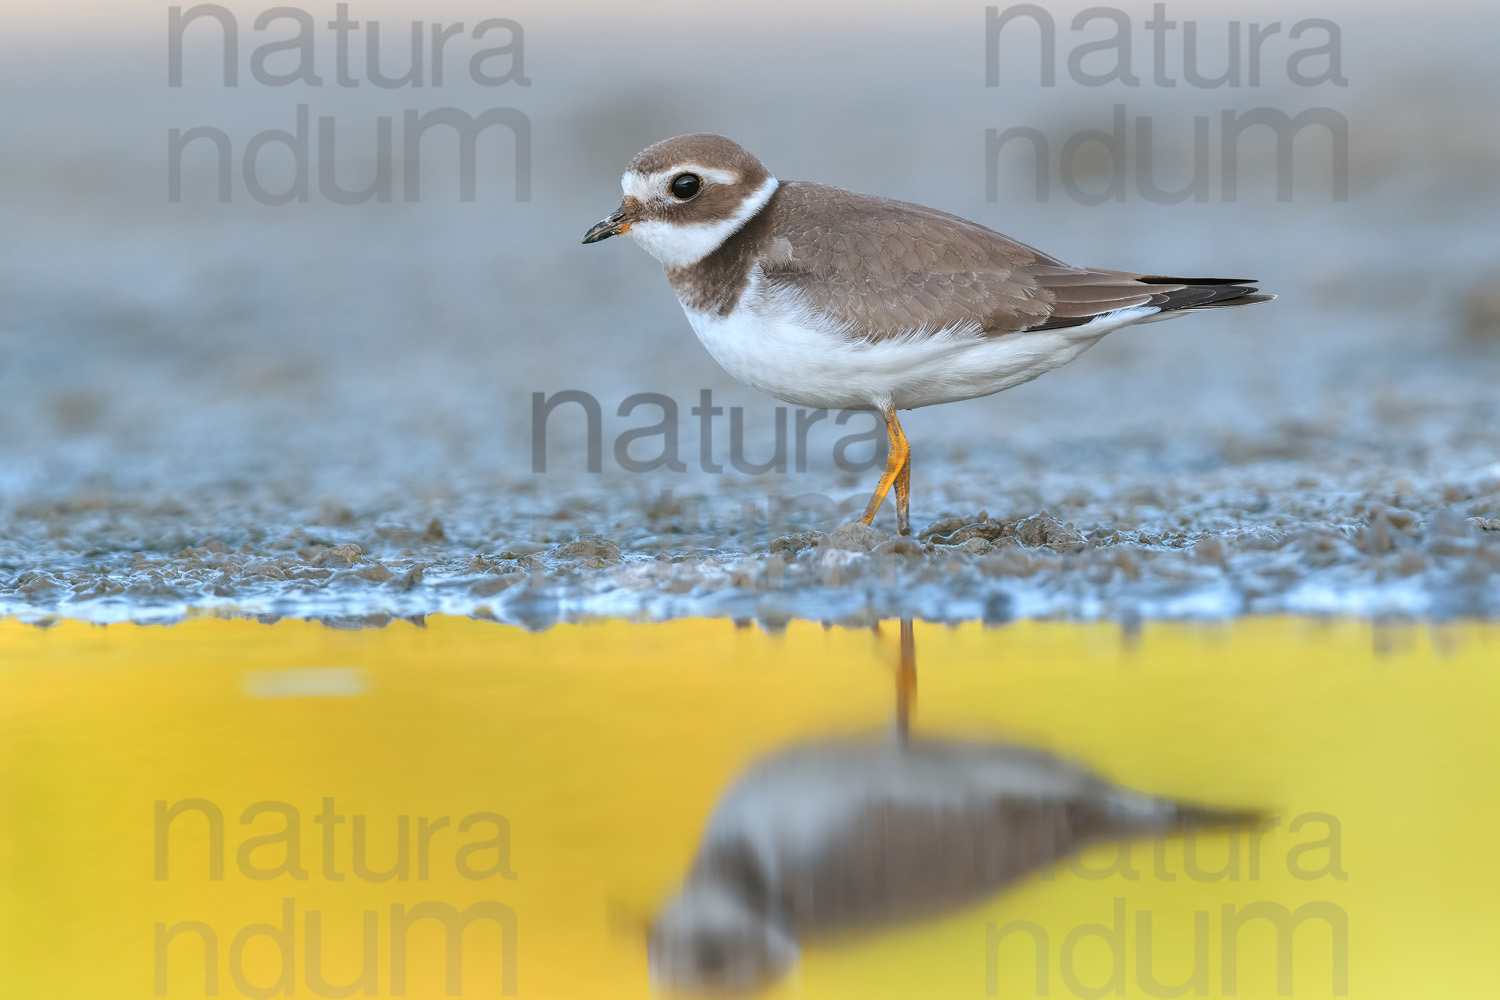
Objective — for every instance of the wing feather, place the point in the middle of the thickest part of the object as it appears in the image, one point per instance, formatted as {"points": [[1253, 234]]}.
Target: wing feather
{"points": [[885, 269]]}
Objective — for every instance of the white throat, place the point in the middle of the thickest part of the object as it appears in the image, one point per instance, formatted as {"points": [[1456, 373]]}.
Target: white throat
{"points": [[682, 245]]}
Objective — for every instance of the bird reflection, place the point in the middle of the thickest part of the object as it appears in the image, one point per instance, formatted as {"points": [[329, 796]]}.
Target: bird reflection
{"points": [[838, 835]]}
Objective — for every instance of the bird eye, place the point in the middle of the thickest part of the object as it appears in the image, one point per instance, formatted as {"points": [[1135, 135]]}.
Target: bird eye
{"points": [[684, 186]]}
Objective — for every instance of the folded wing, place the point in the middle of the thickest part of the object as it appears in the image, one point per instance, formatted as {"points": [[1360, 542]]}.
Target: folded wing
{"points": [[886, 269]]}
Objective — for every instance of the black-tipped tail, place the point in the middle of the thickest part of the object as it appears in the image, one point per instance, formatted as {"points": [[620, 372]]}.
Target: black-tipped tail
{"points": [[1080, 297], [1204, 293]]}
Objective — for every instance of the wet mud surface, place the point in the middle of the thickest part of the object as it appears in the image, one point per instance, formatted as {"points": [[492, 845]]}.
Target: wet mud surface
{"points": [[1212, 546]]}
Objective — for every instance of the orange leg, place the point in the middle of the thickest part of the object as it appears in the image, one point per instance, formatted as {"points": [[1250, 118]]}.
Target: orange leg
{"points": [[903, 496], [897, 473]]}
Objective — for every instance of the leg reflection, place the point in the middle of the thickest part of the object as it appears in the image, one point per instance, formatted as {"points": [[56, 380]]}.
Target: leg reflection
{"points": [[906, 681]]}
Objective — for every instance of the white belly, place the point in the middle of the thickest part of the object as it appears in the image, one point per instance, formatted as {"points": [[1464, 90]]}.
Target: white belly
{"points": [[780, 353]]}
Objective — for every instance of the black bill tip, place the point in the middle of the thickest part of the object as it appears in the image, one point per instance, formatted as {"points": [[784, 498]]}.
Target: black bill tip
{"points": [[612, 226]]}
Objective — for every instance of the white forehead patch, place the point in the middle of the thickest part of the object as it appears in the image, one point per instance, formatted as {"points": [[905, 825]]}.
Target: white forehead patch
{"points": [[678, 245], [648, 186]]}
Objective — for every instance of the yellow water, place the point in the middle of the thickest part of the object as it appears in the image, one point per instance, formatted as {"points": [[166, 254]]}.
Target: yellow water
{"points": [[604, 748]]}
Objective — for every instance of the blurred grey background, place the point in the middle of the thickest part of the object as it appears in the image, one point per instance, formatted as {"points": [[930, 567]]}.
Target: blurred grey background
{"points": [[283, 379]]}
